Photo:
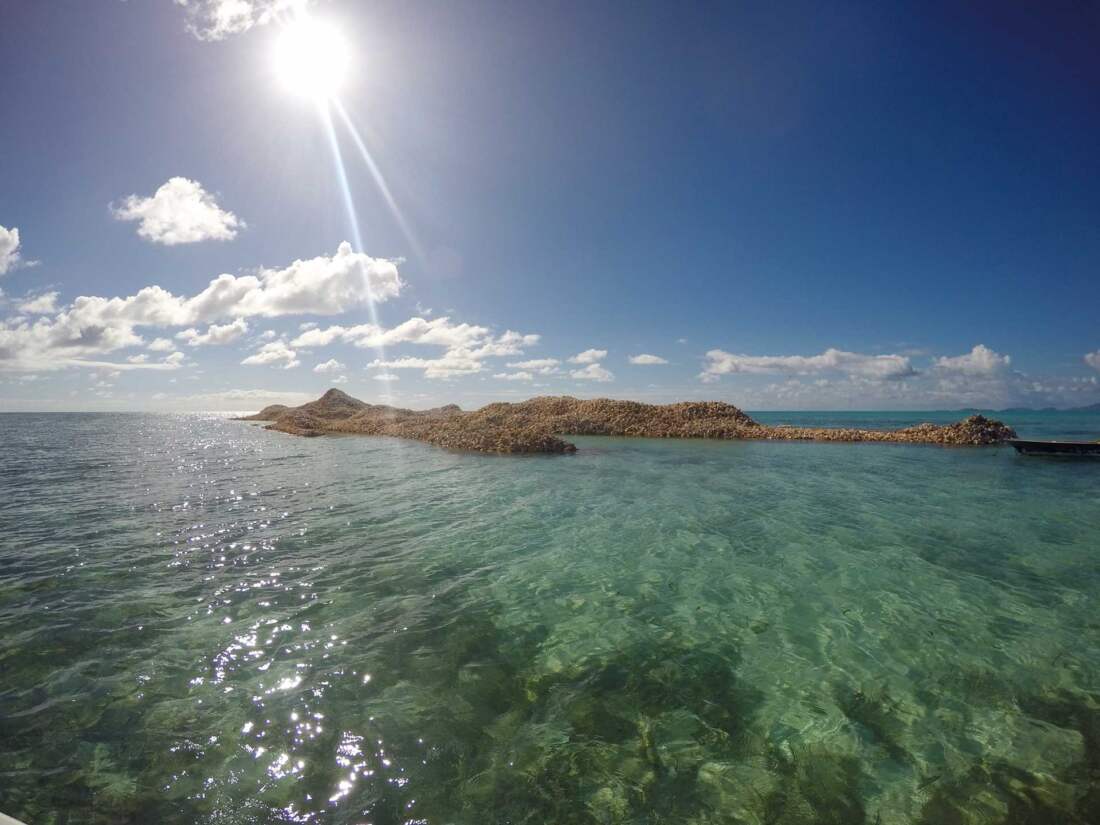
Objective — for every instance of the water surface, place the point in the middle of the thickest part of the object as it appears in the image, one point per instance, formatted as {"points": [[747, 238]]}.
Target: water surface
{"points": [[205, 622]]}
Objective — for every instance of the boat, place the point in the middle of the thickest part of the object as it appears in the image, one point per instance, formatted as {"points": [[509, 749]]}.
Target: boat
{"points": [[1059, 448]]}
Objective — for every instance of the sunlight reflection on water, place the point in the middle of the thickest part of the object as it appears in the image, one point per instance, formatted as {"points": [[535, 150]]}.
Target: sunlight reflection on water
{"points": [[221, 624]]}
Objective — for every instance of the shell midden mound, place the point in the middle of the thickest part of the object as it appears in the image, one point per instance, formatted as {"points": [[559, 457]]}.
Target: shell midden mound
{"points": [[535, 426]]}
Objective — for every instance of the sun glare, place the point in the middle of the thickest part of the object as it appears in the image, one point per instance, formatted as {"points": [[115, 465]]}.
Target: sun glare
{"points": [[311, 58]]}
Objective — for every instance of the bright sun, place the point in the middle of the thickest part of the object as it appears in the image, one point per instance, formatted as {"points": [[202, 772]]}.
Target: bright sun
{"points": [[311, 58]]}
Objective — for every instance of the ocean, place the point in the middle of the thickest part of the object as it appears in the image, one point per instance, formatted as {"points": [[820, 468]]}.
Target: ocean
{"points": [[205, 622]]}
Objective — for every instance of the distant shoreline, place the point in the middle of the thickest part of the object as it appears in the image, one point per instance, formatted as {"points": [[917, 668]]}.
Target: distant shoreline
{"points": [[906, 412]]}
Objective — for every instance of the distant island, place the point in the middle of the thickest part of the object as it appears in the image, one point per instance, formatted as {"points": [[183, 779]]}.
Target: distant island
{"points": [[1003, 410], [536, 426]]}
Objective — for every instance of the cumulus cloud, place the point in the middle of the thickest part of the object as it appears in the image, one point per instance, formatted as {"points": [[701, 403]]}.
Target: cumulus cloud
{"points": [[92, 325], [317, 286], [215, 334], [510, 343], [162, 345], [981, 360], [593, 372], [514, 376], [44, 304], [10, 257], [219, 19], [879, 367], [450, 365], [467, 345], [331, 365], [386, 376], [115, 367], [9, 249], [543, 366], [277, 353], [1093, 360], [236, 399], [589, 356], [645, 359], [438, 332], [980, 378], [180, 211]]}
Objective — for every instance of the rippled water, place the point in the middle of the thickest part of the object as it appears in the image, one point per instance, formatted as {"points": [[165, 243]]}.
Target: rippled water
{"points": [[204, 622]]}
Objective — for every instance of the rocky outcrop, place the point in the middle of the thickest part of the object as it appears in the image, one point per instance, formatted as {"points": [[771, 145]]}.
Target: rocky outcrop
{"points": [[535, 426], [976, 430]]}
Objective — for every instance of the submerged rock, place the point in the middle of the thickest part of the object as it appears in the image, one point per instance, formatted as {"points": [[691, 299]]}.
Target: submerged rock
{"points": [[534, 426]]}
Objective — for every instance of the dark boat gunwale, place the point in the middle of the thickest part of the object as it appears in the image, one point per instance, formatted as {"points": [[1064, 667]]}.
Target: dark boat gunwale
{"points": [[1062, 448]]}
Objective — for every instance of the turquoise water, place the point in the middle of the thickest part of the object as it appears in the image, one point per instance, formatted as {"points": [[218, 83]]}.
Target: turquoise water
{"points": [[204, 622]]}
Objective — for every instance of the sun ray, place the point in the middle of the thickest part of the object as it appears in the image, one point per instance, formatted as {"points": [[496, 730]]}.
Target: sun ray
{"points": [[353, 220], [380, 181]]}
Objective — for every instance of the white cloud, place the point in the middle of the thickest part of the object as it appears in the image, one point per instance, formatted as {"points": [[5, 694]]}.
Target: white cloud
{"points": [[219, 19], [9, 249], [644, 359], [593, 372], [543, 366], [878, 367], [1093, 360], [466, 345], [140, 358], [162, 345], [215, 334], [514, 376], [275, 353], [981, 360], [589, 356], [439, 332], [10, 257], [44, 304], [314, 337], [450, 365], [386, 376], [332, 365], [94, 325], [115, 367], [237, 399], [317, 286], [180, 211]]}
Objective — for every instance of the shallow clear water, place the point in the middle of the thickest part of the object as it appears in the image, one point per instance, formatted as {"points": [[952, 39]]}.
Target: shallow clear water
{"points": [[204, 622]]}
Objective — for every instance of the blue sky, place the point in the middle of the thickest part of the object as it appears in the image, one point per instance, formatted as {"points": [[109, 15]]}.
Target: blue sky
{"points": [[793, 205]]}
